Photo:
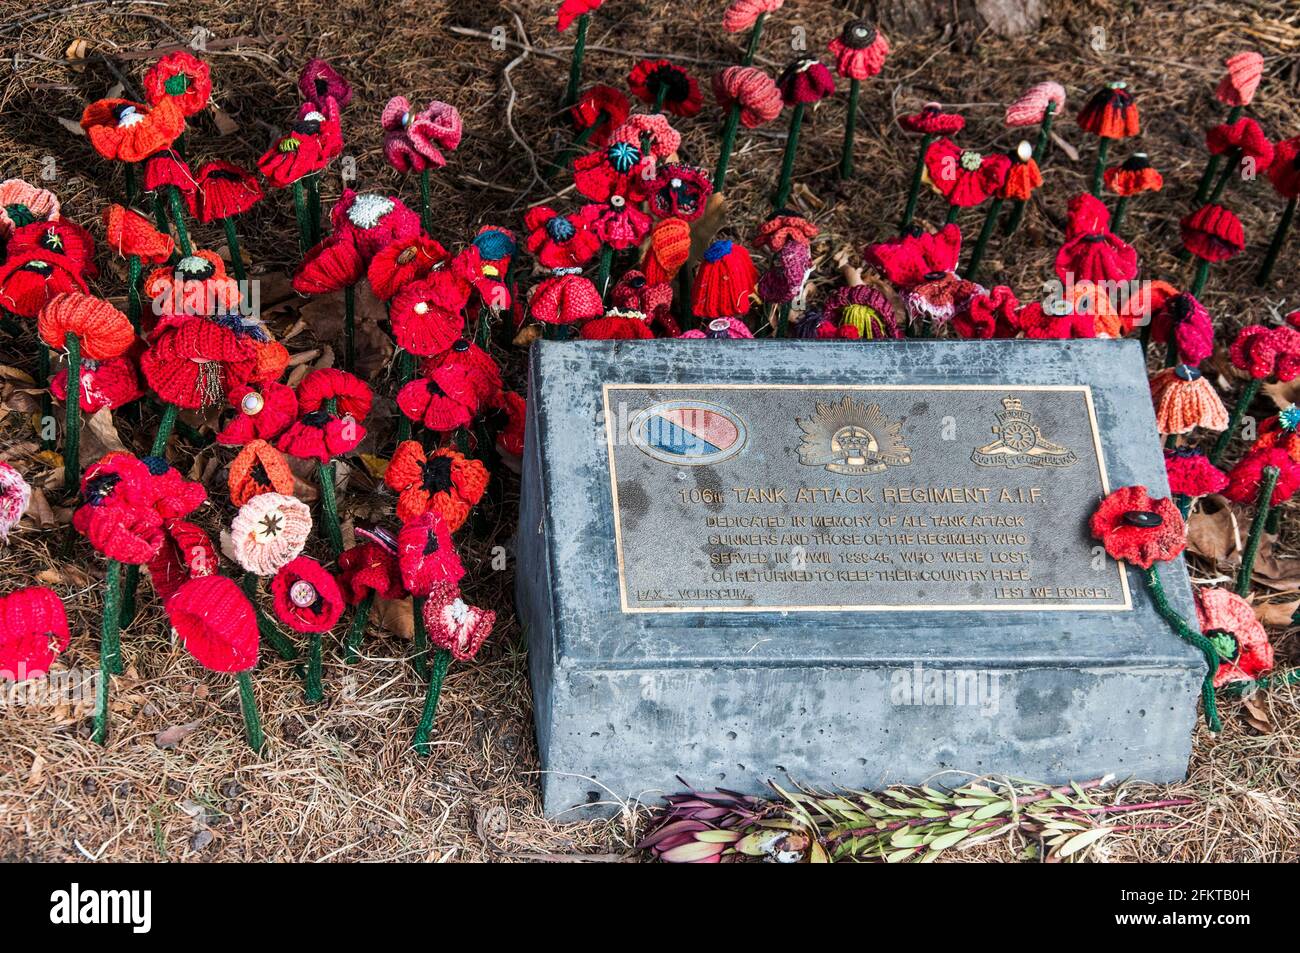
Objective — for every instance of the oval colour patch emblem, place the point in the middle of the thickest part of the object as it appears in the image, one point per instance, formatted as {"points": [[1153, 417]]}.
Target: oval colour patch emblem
{"points": [[689, 433]]}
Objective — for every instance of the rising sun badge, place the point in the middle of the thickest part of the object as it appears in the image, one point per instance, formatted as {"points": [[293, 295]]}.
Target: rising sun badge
{"points": [[846, 437], [1020, 443]]}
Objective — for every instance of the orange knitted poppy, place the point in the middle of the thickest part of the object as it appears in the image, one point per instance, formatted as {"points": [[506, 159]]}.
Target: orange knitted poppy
{"points": [[102, 331], [130, 233], [445, 481], [128, 131], [1022, 179], [271, 358], [258, 468], [1185, 400], [1136, 175], [669, 249]]}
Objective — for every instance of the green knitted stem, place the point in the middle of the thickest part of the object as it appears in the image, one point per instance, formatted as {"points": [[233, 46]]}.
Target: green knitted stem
{"points": [[1264, 505], [1275, 246], [165, 425], [405, 371], [1040, 150], [441, 661], [602, 274], [302, 215], [43, 382], [660, 94], [248, 704], [1212, 164], [236, 256], [134, 269], [426, 213], [1202, 275], [315, 690], [728, 143], [132, 184], [313, 206], [108, 649], [1274, 522], [914, 192], [178, 219], [1102, 149], [783, 320], [330, 507], [483, 330], [1117, 219], [129, 589], [977, 256], [357, 630], [1238, 411], [1192, 637], [421, 647], [953, 212], [1184, 504], [575, 64], [850, 131], [268, 629], [1234, 162], [787, 162], [754, 35], [72, 417], [160, 213], [349, 327], [1264, 682]]}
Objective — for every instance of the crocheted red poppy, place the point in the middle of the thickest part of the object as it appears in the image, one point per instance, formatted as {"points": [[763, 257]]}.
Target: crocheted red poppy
{"points": [[102, 331], [634, 292], [1244, 136], [321, 118], [1267, 352], [650, 79], [679, 191], [963, 177], [865, 309], [130, 233], [307, 599], [1192, 474], [1213, 233], [186, 553], [216, 623], [258, 468], [1284, 171], [991, 315], [1245, 478], [1135, 176], [167, 169], [1110, 113], [182, 77], [784, 279], [33, 630], [1281, 430], [197, 284], [510, 439], [195, 362], [426, 555], [668, 251], [1092, 252], [319, 81], [401, 262], [443, 400], [616, 222], [321, 436], [724, 281], [601, 109], [480, 370], [570, 10], [292, 157], [1190, 324], [373, 221], [369, 567], [1138, 529], [444, 481], [332, 265], [559, 241], [804, 82], [455, 626], [909, 260], [427, 314], [1086, 313], [121, 478], [933, 121], [128, 534], [485, 276], [617, 170], [859, 50], [110, 384], [565, 299], [29, 281], [1237, 88], [752, 90], [774, 233], [61, 237], [351, 394], [1232, 627], [616, 325], [223, 190], [130, 132], [262, 412]]}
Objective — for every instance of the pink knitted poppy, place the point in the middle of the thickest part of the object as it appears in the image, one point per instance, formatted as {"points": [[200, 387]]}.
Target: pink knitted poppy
{"points": [[664, 139], [15, 494], [1237, 88], [1267, 352], [859, 50], [1186, 319], [1192, 474], [741, 14], [426, 555], [750, 88], [413, 141], [719, 329], [268, 531], [1031, 107], [455, 625]]}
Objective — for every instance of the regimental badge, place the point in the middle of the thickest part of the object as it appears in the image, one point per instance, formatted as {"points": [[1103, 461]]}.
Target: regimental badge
{"points": [[690, 433], [846, 437], [1020, 443]]}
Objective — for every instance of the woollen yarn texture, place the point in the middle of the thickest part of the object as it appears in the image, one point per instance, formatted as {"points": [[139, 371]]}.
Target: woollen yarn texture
{"points": [[268, 531]]}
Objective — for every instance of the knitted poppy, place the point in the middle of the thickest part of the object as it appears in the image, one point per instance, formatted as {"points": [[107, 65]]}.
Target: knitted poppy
{"points": [[1110, 112], [752, 90], [784, 280], [33, 630], [223, 190], [804, 82], [351, 394], [426, 555], [724, 281], [1138, 529], [167, 169], [963, 177], [197, 284], [911, 259], [859, 50], [1192, 474], [1030, 108], [510, 439], [102, 331], [444, 481], [1085, 313], [372, 221], [112, 384], [617, 325], [455, 626], [216, 623], [321, 120], [940, 299], [196, 362], [1267, 352], [307, 598], [486, 277], [989, 315], [130, 233], [320, 435], [415, 139], [601, 109], [721, 329], [570, 10], [181, 76], [617, 222], [668, 250], [565, 298], [618, 169], [634, 292], [1244, 136], [269, 530], [292, 157], [263, 411], [1245, 478], [1186, 319], [443, 400], [479, 369], [402, 262], [258, 468], [865, 309], [1213, 233], [169, 492], [186, 553], [15, 494], [1239, 639], [559, 241], [127, 534], [774, 233], [652, 79], [129, 132], [1284, 171], [369, 568], [1185, 400], [1134, 176], [270, 358], [22, 203], [933, 121], [319, 81], [1023, 175], [679, 191], [427, 314], [1281, 430], [62, 238], [117, 478], [742, 14], [331, 265], [496, 246], [1238, 85], [1092, 252], [28, 281]]}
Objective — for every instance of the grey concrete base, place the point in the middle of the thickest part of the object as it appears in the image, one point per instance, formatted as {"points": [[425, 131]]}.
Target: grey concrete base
{"points": [[626, 702]]}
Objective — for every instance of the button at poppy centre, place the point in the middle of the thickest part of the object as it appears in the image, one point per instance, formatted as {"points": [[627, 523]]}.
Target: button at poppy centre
{"points": [[840, 564]]}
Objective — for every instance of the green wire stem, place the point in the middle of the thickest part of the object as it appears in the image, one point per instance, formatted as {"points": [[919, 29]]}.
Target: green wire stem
{"points": [[1267, 485], [441, 662], [1192, 637]]}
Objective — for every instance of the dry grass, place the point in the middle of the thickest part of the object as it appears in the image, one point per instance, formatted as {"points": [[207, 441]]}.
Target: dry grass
{"points": [[337, 781]]}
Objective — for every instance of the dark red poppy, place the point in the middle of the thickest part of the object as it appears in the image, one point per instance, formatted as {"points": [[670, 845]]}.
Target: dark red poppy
{"points": [[1243, 137], [804, 82], [651, 79], [991, 315], [635, 292], [223, 190], [1246, 478], [1111, 113], [679, 191], [186, 553], [601, 109], [319, 81], [1192, 474], [1213, 233], [426, 555], [1138, 529], [1284, 170], [306, 596], [370, 568], [510, 439], [1186, 319], [195, 362], [167, 169], [1092, 252]]}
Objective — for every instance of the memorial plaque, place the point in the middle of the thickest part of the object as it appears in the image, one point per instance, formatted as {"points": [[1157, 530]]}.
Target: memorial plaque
{"points": [[840, 564]]}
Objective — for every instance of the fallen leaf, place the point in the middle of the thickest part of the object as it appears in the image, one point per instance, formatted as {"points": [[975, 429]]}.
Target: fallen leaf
{"points": [[1276, 613], [527, 335], [171, 737], [375, 466], [72, 125], [1257, 714], [37, 771], [77, 49], [39, 511], [1283, 393], [51, 577], [1213, 531], [396, 616], [99, 436], [226, 126]]}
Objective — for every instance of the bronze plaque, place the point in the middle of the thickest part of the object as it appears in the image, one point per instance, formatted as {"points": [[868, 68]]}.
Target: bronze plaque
{"points": [[793, 498]]}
